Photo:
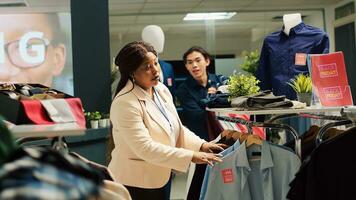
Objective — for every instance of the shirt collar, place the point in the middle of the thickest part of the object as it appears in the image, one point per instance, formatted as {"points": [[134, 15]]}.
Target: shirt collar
{"points": [[266, 158], [295, 30]]}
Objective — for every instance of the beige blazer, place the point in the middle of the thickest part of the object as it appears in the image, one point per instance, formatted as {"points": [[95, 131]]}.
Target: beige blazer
{"points": [[143, 155]]}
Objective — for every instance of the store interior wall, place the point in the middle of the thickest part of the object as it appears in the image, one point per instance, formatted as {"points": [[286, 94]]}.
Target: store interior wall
{"points": [[233, 43], [91, 53]]}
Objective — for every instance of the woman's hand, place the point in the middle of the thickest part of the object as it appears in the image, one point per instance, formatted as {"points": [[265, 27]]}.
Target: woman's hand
{"points": [[212, 147], [206, 158]]}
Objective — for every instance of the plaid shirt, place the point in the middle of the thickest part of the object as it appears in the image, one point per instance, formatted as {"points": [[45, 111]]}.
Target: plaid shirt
{"points": [[46, 174]]}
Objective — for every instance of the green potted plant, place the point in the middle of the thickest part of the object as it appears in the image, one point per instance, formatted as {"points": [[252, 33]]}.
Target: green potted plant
{"points": [[251, 60], [104, 121], [241, 85], [87, 119], [94, 119], [302, 85]]}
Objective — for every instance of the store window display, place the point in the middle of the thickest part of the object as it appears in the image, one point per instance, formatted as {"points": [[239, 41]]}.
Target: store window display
{"points": [[284, 54], [154, 35], [149, 137]]}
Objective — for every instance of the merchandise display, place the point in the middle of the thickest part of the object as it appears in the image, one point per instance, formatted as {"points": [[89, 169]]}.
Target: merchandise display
{"points": [[169, 100], [285, 56]]}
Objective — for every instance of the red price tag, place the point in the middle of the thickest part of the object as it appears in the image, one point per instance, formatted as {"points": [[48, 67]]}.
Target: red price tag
{"points": [[227, 175], [300, 59]]}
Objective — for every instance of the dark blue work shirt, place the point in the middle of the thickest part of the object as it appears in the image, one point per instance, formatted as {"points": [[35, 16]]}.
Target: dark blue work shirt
{"points": [[189, 94], [277, 60]]}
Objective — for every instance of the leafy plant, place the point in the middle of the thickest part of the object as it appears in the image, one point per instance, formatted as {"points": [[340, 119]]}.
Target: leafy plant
{"points": [[250, 63], [94, 115], [241, 85], [105, 115], [301, 83]]}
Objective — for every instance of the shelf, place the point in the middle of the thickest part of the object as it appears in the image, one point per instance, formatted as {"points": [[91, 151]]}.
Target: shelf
{"points": [[53, 130]]}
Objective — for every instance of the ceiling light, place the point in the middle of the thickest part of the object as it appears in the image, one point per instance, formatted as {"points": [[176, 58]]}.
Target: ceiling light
{"points": [[207, 16]]}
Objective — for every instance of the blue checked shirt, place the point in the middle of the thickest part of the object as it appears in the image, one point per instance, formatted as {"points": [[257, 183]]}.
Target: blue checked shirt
{"points": [[277, 61]]}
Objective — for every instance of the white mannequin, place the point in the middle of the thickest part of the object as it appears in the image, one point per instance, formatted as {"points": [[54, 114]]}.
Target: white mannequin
{"points": [[154, 35], [290, 21]]}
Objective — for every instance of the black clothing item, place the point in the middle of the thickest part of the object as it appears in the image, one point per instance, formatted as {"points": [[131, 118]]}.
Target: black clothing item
{"points": [[329, 173], [262, 100], [218, 100], [197, 181], [162, 193], [309, 137]]}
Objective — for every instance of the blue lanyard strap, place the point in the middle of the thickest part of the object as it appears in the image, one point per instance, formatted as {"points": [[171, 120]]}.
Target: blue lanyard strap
{"points": [[160, 107]]}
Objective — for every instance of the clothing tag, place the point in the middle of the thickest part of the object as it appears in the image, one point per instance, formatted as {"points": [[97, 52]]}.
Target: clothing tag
{"points": [[300, 59], [169, 82], [227, 175]]}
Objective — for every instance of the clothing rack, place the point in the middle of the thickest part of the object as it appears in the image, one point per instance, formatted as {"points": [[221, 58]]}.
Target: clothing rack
{"points": [[323, 129], [250, 124]]}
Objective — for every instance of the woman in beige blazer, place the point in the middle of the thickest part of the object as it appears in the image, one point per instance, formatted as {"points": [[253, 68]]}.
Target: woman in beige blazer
{"points": [[149, 137]]}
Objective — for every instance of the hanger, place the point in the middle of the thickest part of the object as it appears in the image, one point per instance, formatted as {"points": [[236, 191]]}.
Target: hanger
{"points": [[59, 144], [253, 139]]}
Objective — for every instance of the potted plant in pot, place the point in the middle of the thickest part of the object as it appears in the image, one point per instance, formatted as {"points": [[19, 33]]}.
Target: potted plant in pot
{"points": [[103, 122], [302, 85], [94, 119]]}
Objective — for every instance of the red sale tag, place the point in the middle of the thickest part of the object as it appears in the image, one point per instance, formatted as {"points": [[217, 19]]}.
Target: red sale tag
{"points": [[300, 59], [169, 82], [227, 175]]}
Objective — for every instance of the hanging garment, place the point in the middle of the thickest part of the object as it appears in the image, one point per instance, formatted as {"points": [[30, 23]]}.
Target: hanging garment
{"points": [[27, 179], [309, 137], [267, 178], [278, 62], [207, 173], [329, 172]]}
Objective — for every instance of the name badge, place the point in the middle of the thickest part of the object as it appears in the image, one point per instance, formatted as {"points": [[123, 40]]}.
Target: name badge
{"points": [[301, 59], [169, 82]]}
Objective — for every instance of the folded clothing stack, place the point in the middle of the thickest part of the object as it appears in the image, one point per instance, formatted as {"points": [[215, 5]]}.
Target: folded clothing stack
{"points": [[262, 100]]}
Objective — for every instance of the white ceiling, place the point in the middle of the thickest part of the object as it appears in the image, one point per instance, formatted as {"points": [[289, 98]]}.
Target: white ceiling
{"points": [[129, 17]]}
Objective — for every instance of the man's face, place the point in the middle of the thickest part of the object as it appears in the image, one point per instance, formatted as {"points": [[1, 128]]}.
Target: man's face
{"points": [[196, 64], [28, 55]]}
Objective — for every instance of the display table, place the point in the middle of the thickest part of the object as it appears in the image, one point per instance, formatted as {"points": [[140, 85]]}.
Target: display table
{"points": [[219, 111]]}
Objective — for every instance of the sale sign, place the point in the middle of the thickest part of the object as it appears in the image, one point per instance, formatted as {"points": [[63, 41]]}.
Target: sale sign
{"points": [[329, 78]]}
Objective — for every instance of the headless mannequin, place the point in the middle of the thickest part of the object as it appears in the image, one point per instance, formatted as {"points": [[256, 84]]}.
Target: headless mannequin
{"points": [[290, 21], [154, 35]]}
